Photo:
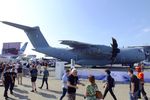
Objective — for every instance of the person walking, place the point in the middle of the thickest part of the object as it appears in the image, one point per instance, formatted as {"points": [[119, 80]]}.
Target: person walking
{"points": [[64, 83], [33, 73], [92, 89], [140, 76], [110, 83], [13, 76], [72, 84], [7, 81], [134, 85], [19, 73], [45, 77]]}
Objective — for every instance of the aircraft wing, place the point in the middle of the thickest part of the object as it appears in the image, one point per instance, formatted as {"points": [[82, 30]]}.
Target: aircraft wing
{"points": [[76, 44], [89, 49]]}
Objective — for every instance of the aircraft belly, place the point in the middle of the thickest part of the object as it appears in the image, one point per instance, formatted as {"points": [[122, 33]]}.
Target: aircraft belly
{"points": [[93, 62]]}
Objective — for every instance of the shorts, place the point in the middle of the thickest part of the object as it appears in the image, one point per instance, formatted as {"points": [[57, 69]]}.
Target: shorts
{"points": [[33, 79], [19, 75]]}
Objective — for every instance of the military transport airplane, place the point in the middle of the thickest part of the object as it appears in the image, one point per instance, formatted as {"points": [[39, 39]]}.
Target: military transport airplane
{"points": [[82, 53]]}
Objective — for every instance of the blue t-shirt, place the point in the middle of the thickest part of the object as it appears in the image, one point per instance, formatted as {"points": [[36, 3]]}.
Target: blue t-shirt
{"points": [[34, 72], [46, 74]]}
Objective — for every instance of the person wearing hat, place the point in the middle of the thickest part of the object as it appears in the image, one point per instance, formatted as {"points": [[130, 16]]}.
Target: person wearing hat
{"points": [[140, 76], [109, 85]]}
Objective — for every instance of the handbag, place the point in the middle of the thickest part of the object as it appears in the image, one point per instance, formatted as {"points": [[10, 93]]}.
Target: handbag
{"points": [[99, 95]]}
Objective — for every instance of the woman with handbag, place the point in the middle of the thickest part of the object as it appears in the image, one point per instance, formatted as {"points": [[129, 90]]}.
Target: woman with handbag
{"points": [[92, 92]]}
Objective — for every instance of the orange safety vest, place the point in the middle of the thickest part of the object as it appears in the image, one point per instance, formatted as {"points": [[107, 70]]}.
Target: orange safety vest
{"points": [[140, 75]]}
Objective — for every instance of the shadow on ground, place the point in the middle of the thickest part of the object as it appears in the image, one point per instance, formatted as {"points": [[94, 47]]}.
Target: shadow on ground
{"points": [[21, 96], [60, 92], [21, 91], [28, 86], [46, 95]]}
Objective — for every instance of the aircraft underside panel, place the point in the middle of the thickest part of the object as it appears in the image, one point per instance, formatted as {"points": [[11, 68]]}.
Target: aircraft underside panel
{"points": [[93, 62]]}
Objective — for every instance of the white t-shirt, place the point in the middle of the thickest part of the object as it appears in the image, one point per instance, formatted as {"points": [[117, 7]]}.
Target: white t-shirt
{"points": [[64, 81]]}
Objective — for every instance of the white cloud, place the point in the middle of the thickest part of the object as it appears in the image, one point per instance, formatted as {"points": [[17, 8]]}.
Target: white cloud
{"points": [[146, 30]]}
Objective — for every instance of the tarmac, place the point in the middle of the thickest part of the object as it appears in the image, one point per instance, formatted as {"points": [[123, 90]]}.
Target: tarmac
{"points": [[23, 92]]}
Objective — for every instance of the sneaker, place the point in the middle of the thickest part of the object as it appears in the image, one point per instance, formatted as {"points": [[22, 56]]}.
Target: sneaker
{"points": [[139, 97], [145, 98], [32, 90], [11, 92], [6, 96]]}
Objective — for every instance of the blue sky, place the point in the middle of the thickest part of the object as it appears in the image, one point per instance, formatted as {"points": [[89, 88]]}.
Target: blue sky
{"points": [[91, 21]]}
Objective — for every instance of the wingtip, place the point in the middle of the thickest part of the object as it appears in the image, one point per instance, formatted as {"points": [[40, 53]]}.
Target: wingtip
{"points": [[3, 21]]}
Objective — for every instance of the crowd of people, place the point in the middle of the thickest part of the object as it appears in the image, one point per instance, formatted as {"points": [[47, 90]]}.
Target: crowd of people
{"points": [[9, 72], [70, 81]]}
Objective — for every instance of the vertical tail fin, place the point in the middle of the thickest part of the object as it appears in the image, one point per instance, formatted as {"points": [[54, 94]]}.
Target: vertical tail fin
{"points": [[34, 34], [22, 49]]}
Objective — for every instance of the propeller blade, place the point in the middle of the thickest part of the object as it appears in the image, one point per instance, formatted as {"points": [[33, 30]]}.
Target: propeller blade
{"points": [[115, 49]]}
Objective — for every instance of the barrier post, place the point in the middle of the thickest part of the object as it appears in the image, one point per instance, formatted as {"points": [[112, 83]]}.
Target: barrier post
{"points": [[59, 70], [72, 64]]}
